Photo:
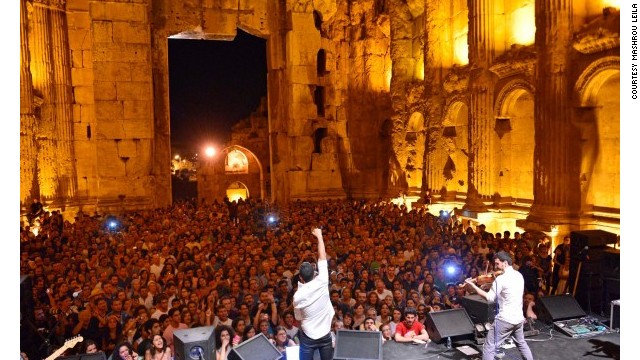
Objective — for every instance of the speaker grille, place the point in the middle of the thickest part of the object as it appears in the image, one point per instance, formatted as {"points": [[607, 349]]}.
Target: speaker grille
{"points": [[358, 345], [560, 307]]}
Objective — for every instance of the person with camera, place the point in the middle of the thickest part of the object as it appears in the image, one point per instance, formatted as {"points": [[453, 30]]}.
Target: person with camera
{"points": [[312, 306]]}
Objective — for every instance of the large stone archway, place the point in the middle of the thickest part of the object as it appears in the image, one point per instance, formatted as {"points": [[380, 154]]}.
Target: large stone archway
{"points": [[515, 141], [598, 118], [233, 164], [449, 162]]}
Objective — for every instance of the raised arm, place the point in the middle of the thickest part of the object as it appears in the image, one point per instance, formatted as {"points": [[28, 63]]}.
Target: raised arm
{"points": [[322, 254]]}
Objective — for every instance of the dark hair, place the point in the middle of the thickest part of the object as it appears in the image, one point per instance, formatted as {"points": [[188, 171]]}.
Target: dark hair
{"points": [[153, 349], [306, 271], [148, 325], [172, 311], [86, 343], [116, 350], [246, 330], [410, 310], [504, 256], [219, 330]]}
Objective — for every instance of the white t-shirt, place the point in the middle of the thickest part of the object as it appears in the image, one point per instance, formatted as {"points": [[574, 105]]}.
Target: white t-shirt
{"points": [[312, 304], [508, 289]]}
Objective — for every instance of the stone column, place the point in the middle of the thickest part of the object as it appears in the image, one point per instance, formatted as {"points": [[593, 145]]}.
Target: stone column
{"points": [[41, 66], [62, 101], [553, 165], [434, 100], [481, 51], [28, 148], [401, 76]]}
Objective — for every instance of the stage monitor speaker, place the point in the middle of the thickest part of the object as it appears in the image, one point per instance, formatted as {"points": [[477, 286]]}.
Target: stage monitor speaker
{"points": [[592, 239], [194, 344], [614, 319], [258, 347], [95, 356], [454, 323], [479, 309], [558, 307], [358, 345]]}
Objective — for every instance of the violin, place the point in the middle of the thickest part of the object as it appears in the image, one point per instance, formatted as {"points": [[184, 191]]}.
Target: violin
{"points": [[485, 281]]}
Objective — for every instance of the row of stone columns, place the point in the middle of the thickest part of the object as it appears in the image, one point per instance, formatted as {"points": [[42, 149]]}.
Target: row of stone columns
{"points": [[46, 132]]}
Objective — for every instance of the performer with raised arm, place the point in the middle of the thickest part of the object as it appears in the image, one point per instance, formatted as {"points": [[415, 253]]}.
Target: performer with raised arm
{"points": [[508, 289], [312, 306]]}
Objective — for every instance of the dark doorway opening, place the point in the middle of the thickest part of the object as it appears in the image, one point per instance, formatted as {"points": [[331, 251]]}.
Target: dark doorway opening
{"points": [[213, 84]]}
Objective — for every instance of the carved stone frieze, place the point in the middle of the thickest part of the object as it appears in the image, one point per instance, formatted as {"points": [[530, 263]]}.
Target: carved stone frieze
{"points": [[603, 33], [518, 60], [457, 79]]}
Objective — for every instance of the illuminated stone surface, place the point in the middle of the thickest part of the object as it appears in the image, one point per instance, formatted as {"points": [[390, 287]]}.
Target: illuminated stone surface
{"points": [[450, 96]]}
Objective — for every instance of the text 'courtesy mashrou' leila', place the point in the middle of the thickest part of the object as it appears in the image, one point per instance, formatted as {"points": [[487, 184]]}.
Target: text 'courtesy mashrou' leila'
{"points": [[634, 51]]}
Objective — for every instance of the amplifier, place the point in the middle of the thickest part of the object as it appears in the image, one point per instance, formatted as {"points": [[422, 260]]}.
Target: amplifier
{"points": [[614, 320]]}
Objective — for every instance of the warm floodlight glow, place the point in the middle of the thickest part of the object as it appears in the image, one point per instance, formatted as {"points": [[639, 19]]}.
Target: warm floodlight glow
{"points": [[523, 25], [236, 194], [461, 50], [419, 69], [177, 157], [611, 3], [210, 151]]}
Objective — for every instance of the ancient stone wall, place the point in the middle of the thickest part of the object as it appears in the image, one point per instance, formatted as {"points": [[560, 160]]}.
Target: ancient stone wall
{"points": [[365, 98]]}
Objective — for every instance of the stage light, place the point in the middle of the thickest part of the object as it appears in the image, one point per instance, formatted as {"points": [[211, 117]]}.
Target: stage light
{"points": [[451, 269]]}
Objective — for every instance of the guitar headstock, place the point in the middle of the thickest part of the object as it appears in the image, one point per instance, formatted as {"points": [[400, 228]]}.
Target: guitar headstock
{"points": [[73, 341]]}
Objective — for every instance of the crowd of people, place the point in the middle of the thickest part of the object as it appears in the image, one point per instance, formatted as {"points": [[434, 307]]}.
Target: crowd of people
{"points": [[126, 283]]}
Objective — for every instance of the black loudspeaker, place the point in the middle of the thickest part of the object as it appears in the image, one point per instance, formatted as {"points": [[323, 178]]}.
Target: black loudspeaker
{"points": [[454, 323], [96, 356], [479, 309], [258, 347], [30, 340], [590, 261], [592, 239], [358, 345], [614, 319], [196, 343], [559, 307]]}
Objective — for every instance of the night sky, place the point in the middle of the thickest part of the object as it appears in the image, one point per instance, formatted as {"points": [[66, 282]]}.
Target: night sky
{"points": [[213, 84]]}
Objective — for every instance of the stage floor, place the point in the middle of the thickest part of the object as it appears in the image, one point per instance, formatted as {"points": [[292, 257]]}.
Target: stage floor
{"points": [[548, 345]]}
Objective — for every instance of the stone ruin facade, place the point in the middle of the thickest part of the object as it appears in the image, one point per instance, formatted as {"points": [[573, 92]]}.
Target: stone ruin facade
{"points": [[500, 107]]}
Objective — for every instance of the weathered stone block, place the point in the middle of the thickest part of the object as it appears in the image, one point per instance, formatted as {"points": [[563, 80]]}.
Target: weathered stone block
{"points": [[83, 94], [127, 148], [220, 22], [109, 110], [324, 162], [102, 32], [77, 5], [113, 11], [87, 59], [76, 113], [78, 20], [112, 71], [121, 52], [324, 180], [88, 113], [105, 90], [81, 77], [80, 39], [137, 109], [133, 33], [138, 128], [304, 74], [141, 71], [76, 58], [134, 90]]}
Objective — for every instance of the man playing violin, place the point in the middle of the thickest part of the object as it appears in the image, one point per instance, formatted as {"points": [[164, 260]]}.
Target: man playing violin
{"points": [[508, 289]]}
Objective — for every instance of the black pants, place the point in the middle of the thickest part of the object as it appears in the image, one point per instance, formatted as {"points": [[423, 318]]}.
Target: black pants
{"points": [[309, 345]]}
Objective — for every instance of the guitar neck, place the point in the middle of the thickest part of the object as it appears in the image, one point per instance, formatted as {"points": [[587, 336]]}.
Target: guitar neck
{"points": [[57, 353]]}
